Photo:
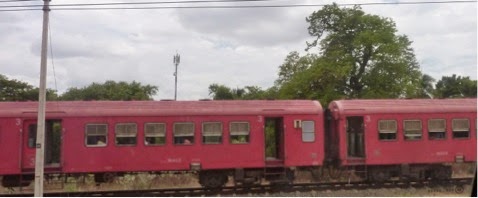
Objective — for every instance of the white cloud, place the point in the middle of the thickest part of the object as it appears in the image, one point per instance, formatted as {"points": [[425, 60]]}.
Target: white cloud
{"points": [[253, 27], [235, 47], [443, 35]]}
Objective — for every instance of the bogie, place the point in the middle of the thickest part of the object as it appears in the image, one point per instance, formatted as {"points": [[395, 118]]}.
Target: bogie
{"points": [[212, 179]]}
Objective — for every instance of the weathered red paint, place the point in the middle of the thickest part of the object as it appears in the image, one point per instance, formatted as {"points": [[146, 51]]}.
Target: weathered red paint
{"points": [[77, 158], [400, 151]]}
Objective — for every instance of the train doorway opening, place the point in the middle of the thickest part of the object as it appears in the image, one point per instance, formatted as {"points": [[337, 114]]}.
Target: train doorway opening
{"points": [[53, 132], [53, 143], [355, 137], [274, 138]]}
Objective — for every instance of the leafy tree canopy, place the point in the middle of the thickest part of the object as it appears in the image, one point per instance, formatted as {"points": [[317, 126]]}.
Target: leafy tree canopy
{"points": [[222, 92], [111, 90], [319, 82], [293, 65], [426, 87], [360, 56], [14, 90], [455, 87]]}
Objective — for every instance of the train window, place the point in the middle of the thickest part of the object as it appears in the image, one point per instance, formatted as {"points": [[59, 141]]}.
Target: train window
{"points": [[436, 129], [212, 133], [412, 129], [387, 129], [126, 134], [461, 128], [32, 135], [308, 131], [96, 135], [184, 133], [239, 132], [154, 134]]}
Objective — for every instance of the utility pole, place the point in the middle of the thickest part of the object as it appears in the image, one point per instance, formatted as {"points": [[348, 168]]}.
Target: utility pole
{"points": [[176, 60], [40, 144]]}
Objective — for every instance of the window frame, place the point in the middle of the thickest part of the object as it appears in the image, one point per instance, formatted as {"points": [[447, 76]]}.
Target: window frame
{"points": [[146, 136], [405, 133], [303, 132], [116, 135], [32, 136], [193, 136], [86, 135], [222, 133], [248, 135], [444, 129], [396, 130], [453, 129]]}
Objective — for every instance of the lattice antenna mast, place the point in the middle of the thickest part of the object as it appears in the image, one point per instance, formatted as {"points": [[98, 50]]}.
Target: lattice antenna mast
{"points": [[176, 60]]}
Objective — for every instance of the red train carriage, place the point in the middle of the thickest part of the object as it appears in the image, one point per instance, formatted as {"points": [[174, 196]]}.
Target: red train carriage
{"points": [[415, 138], [247, 139]]}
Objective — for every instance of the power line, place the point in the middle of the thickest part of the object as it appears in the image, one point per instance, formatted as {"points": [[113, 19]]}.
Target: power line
{"points": [[137, 3], [51, 56], [15, 10], [228, 7], [11, 1], [255, 6]]}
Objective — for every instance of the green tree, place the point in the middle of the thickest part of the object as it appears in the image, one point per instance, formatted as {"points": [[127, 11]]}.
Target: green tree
{"points": [[360, 54], [426, 87], [253, 93], [111, 90], [222, 92], [271, 93], [294, 64], [320, 82], [455, 87], [14, 90], [270, 144]]}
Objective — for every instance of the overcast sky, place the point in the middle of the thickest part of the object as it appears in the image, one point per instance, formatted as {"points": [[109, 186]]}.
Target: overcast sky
{"points": [[234, 47]]}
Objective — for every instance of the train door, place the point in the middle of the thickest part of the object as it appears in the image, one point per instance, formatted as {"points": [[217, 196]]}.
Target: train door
{"points": [[52, 143], [355, 136], [274, 138]]}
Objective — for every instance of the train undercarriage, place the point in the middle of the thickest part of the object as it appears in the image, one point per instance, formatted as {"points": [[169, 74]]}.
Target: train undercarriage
{"points": [[272, 175]]}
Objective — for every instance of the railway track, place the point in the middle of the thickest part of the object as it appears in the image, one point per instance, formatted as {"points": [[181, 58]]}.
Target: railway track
{"points": [[259, 189]]}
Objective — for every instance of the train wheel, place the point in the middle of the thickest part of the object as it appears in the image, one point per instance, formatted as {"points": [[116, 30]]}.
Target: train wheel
{"points": [[9, 181], [379, 175], [105, 177], [212, 179], [442, 172], [109, 177]]}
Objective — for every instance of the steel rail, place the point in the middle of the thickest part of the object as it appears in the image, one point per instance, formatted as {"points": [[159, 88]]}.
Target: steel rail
{"points": [[257, 189]]}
